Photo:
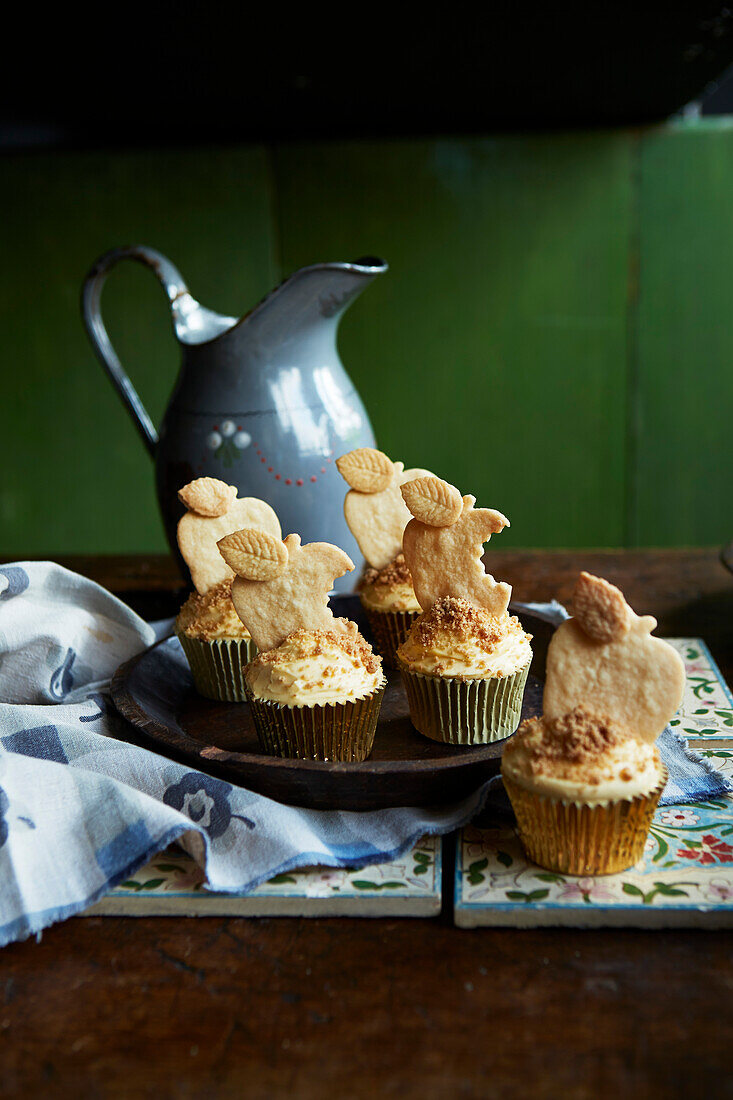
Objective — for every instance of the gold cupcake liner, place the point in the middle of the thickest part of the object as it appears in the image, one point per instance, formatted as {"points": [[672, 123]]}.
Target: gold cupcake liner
{"points": [[218, 667], [577, 839], [390, 630], [337, 732], [464, 712]]}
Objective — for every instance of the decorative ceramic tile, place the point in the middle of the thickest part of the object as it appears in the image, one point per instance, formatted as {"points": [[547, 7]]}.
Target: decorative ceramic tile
{"points": [[684, 880], [172, 884], [707, 706]]}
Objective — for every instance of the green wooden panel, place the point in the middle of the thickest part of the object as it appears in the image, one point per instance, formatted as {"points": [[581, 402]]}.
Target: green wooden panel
{"points": [[76, 477], [508, 347], [682, 433], [494, 349]]}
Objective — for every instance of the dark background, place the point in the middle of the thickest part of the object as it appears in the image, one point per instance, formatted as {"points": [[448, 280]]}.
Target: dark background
{"points": [[128, 75], [554, 205]]}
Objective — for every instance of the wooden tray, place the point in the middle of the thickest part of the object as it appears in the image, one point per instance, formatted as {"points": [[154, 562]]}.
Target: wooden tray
{"points": [[154, 691]]}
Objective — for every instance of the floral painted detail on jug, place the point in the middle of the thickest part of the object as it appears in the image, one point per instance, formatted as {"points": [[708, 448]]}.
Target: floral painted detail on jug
{"points": [[228, 441]]}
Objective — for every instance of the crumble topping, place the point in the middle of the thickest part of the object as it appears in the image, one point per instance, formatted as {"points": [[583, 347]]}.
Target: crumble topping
{"points": [[578, 738], [311, 643], [205, 616], [392, 575], [462, 620]]}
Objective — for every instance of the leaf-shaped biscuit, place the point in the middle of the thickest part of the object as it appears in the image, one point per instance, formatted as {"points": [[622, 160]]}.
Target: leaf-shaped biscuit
{"points": [[366, 470], [254, 554], [634, 679], [208, 496], [433, 501], [198, 537], [295, 599], [446, 561], [600, 608]]}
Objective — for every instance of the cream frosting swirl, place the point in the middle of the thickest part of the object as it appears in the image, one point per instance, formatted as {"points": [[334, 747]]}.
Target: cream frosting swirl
{"points": [[396, 597], [455, 639], [211, 617], [390, 588], [316, 667], [581, 757]]}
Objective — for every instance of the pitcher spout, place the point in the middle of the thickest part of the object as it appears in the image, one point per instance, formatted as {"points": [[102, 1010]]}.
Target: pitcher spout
{"points": [[341, 283], [313, 297]]}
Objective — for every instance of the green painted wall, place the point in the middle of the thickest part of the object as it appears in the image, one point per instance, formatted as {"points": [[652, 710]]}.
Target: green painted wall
{"points": [[682, 418], [553, 335], [77, 478], [501, 326]]}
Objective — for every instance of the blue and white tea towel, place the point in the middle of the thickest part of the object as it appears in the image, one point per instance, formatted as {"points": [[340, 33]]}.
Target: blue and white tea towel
{"points": [[81, 809]]}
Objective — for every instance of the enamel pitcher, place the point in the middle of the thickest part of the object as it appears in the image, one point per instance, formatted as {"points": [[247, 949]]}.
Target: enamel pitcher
{"points": [[262, 402]]}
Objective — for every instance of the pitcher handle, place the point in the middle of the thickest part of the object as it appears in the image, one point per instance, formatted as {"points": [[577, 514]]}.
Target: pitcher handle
{"points": [[91, 295]]}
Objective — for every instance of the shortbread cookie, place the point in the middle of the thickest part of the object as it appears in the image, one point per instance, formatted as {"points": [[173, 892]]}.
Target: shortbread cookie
{"points": [[316, 687], [446, 561], [374, 508], [606, 660], [213, 512], [366, 470], [294, 598], [207, 496], [600, 608], [433, 501]]}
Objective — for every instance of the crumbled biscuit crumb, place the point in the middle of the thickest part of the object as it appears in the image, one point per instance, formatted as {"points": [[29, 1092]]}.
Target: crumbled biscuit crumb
{"points": [[578, 738], [312, 642], [391, 576], [200, 615], [461, 619]]}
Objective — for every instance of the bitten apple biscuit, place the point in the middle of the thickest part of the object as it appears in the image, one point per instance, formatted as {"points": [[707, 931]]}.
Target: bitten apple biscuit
{"points": [[447, 561]]}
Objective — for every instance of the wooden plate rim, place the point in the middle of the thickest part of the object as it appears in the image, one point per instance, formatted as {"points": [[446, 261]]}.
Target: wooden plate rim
{"points": [[131, 710]]}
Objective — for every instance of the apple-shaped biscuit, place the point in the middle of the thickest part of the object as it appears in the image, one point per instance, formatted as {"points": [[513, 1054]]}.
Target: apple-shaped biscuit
{"points": [[374, 508], [213, 511], [606, 660]]}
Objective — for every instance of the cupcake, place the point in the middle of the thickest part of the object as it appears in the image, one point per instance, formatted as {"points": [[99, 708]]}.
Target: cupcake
{"points": [[585, 778], [465, 661], [377, 516], [390, 605], [316, 687], [216, 643]]}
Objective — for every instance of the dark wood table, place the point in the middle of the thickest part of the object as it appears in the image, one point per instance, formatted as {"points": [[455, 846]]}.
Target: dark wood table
{"points": [[370, 1008]]}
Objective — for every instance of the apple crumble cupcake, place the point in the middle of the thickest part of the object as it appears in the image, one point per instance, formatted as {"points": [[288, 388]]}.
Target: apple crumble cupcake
{"points": [[316, 687], [465, 661], [585, 778], [216, 643], [377, 515]]}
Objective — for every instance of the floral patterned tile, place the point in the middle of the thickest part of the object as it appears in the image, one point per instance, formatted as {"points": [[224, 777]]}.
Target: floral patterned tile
{"points": [[707, 706], [720, 755], [685, 878], [173, 884]]}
